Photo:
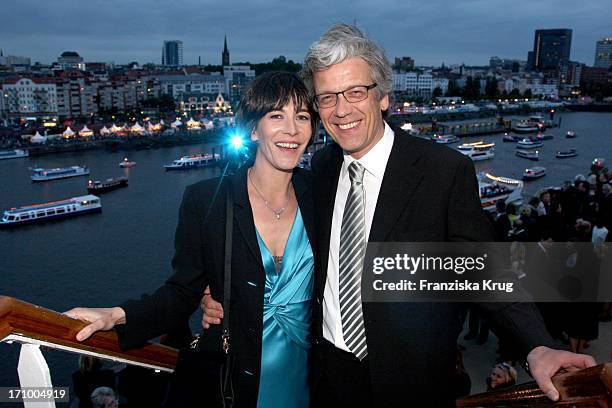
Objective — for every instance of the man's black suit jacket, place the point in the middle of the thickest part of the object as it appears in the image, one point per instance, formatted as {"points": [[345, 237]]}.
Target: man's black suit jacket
{"points": [[429, 193], [198, 262]]}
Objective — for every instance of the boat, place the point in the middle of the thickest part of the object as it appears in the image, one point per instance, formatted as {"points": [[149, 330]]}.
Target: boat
{"points": [[190, 162], [525, 127], [49, 211], [13, 154], [511, 138], [445, 139], [528, 154], [534, 173], [126, 163], [478, 151], [564, 154], [106, 185], [529, 144], [571, 134], [546, 136], [493, 189], [58, 173]]}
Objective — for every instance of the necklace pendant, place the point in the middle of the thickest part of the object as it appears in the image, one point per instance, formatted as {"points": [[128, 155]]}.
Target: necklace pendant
{"points": [[278, 217]]}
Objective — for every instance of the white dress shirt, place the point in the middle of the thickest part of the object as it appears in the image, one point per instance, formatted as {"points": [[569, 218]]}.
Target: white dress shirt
{"points": [[375, 163]]}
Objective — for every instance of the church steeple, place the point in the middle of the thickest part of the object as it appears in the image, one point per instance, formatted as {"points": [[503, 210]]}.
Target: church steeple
{"points": [[225, 57]]}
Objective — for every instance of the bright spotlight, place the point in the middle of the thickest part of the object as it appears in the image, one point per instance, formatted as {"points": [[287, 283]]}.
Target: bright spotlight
{"points": [[237, 142]]}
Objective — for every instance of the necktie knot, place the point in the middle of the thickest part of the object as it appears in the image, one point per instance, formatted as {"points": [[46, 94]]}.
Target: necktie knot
{"points": [[356, 171]]}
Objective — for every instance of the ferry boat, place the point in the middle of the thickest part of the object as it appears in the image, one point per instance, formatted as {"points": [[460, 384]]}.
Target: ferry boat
{"points": [[564, 154], [529, 144], [126, 163], [528, 154], [190, 162], [534, 173], [493, 189], [525, 127], [58, 173], [106, 185], [511, 138], [48, 211], [571, 134], [546, 136], [478, 151], [445, 139], [13, 154]]}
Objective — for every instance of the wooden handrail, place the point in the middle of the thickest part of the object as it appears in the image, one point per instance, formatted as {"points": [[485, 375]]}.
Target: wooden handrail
{"points": [[28, 323], [591, 387]]}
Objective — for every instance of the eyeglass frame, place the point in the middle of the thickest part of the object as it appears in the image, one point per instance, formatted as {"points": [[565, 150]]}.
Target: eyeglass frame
{"points": [[337, 94]]}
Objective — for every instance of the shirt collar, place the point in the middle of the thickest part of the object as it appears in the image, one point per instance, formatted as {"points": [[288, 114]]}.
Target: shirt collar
{"points": [[375, 161]]}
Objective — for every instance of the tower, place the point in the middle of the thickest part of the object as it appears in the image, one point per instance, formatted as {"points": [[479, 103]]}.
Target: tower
{"points": [[225, 58]]}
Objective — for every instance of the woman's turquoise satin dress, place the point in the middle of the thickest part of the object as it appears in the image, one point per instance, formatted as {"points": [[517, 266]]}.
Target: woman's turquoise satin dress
{"points": [[286, 322]]}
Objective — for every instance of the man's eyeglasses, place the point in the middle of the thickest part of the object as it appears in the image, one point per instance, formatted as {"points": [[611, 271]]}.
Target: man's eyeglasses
{"points": [[352, 95]]}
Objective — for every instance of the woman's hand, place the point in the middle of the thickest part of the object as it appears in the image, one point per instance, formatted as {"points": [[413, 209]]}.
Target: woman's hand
{"points": [[99, 319], [213, 311]]}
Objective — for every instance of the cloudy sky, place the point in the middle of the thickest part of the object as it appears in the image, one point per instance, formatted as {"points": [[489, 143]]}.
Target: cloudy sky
{"points": [[430, 31]]}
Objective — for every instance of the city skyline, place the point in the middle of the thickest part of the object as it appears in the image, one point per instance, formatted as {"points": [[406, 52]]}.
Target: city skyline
{"points": [[122, 33]]}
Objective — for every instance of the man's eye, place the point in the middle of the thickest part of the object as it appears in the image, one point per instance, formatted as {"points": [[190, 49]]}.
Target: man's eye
{"points": [[356, 94], [326, 98]]}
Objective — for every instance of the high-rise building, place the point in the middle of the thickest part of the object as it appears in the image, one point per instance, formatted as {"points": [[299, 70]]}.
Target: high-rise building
{"points": [[70, 60], [225, 59], [603, 53], [551, 48], [172, 53]]}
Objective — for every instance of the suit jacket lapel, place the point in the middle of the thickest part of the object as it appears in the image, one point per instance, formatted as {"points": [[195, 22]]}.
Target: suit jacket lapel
{"points": [[402, 176], [326, 182], [243, 215]]}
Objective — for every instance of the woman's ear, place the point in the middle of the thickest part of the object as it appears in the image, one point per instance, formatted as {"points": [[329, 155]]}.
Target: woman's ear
{"points": [[254, 136]]}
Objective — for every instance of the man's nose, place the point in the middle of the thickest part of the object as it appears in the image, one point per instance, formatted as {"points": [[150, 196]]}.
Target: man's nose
{"points": [[343, 107]]}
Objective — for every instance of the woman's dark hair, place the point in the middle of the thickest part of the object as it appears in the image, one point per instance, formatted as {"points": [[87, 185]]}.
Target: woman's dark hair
{"points": [[271, 91]]}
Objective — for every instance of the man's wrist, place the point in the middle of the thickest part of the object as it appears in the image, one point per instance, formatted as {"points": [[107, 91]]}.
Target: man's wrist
{"points": [[118, 315]]}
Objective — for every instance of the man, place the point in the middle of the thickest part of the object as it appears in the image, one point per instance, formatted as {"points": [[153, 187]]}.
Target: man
{"points": [[389, 187]]}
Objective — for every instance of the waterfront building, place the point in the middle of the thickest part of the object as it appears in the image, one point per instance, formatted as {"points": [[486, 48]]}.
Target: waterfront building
{"points": [[603, 53], [175, 85], [441, 83], [225, 55], [28, 98], [172, 53], [551, 48], [414, 83], [70, 60], [236, 78], [76, 94], [203, 103]]}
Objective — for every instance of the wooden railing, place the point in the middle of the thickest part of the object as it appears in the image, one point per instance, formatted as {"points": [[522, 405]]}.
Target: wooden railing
{"points": [[26, 323], [591, 387]]}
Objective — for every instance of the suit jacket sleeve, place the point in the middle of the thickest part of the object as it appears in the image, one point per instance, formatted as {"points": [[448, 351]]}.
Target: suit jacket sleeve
{"points": [[467, 222], [170, 306]]}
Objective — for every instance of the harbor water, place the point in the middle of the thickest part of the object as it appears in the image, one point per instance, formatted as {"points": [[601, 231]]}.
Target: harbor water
{"points": [[103, 259]]}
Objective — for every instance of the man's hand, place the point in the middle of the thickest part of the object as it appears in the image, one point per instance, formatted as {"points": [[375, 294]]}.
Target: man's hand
{"points": [[213, 311], [545, 362], [99, 319]]}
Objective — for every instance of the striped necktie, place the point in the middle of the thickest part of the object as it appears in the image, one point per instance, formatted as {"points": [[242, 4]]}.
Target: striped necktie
{"points": [[352, 251]]}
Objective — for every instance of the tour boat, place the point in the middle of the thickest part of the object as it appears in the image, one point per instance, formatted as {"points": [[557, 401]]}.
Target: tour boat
{"points": [[127, 163], [445, 139], [571, 134], [564, 154], [534, 173], [478, 151], [546, 136], [190, 162], [525, 127], [493, 189], [529, 144], [528, 154], [58, 173], [13, 154], [54, 210]]}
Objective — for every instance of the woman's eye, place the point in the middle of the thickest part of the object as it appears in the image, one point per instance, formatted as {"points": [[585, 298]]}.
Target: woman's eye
{"points": [[303, 117]]}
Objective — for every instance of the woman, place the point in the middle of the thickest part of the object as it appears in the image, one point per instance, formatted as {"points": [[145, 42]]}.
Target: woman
{"points": [[272, 265]]}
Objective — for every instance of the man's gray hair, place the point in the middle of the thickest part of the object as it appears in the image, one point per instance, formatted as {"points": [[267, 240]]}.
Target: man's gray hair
{"points": [[344, 41]]}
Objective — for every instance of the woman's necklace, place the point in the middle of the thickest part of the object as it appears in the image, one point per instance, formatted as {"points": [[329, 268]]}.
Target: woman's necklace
{"points": [[276, 212]]}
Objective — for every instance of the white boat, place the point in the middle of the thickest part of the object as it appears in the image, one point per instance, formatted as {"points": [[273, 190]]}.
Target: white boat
{"points": [[126, 163], [478, 151], [54, 210], [528, 154], [445, 139], [59, 173], [13, 154], [534, 173], [571, 134], [190, 162], [564, 154], [525, 127], [529, 144], [493, 189]]}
